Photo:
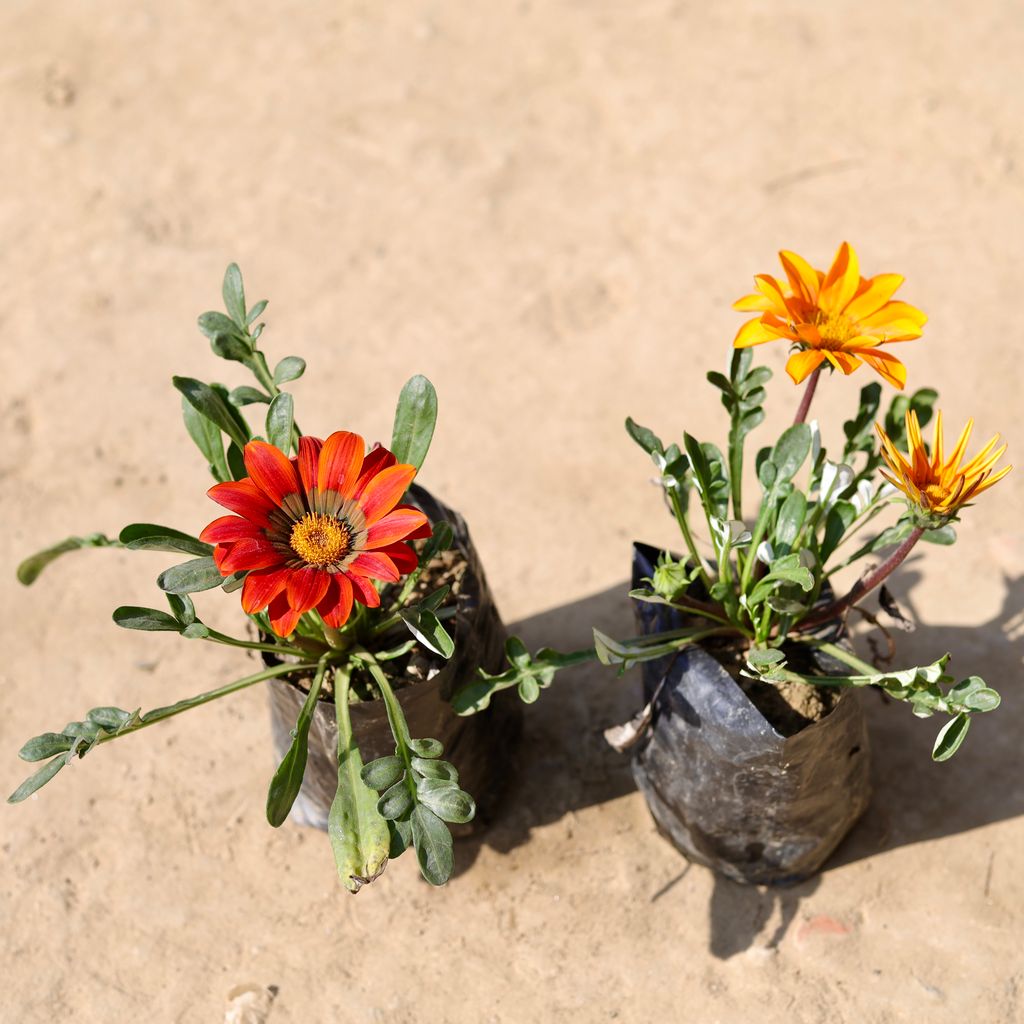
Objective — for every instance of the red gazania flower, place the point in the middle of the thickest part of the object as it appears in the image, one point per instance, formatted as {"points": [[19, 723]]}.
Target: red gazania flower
{"points": [[315, 530]]}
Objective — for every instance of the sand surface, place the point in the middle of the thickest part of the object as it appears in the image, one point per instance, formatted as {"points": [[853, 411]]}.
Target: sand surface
{"points": [[547, 208]]}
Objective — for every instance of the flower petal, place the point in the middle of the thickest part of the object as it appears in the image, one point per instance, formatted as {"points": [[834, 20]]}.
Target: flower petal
{"points": [[803, 278], [887, 366], [243, 497], [364, 591], [271, 471], [309, 461], [306, 588], [340, 461], [880, 289], [374, 564], [261, 587], [897, 320], [845, 361], [384, 491], [755, 332], [396, 525], [283, 618], [841, 282], [336, 605], [801, 364], [403, 556], [250, 554], [378, 458], [230, 528]]}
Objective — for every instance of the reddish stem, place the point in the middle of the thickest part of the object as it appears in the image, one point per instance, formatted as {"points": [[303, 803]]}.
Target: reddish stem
{"points": [[863, 586], [805, 402]]}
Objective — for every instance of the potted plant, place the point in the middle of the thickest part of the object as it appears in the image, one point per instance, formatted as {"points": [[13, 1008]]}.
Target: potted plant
{"points": [[751, 749], [366, 602]]}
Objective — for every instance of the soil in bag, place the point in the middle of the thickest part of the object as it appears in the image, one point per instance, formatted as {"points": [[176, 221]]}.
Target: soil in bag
{"points": [[756, 783], [480, 746]]}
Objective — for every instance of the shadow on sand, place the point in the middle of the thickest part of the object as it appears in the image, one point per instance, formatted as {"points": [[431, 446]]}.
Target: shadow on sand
{"points": [[564, 763]]}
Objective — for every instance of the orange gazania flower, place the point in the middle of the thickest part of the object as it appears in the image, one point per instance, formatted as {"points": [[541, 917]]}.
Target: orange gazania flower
{"points": [[840, 317], [940, 487], [315, 530]]}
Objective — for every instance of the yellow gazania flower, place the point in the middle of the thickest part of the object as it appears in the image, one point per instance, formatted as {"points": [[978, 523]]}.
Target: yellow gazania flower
{"points": [[840, 317], [940, 487]]}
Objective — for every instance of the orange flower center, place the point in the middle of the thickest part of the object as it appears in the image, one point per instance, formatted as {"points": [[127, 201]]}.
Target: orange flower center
{"points": [[834, 330], [321, 540]]}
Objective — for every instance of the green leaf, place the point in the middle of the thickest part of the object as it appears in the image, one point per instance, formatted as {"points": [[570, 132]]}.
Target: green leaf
{"points": [[215, 408], [427, 628], [972, 694], [448, 802], [383, 773], [290, 368], [190, 577], [150, 537], [28, 571], [182, 608], [255, 312], [213, 323], [396, 802], [415, 418], [195, 631], [952, 734], [246, 395], [433, 844], [431, 768], [45, 745], [234, 294], [287, 780], [790, 520], [280, 420], [944, 535], [207, 438], [426, 747], [38, 779], [128, 617], [790, 451], [647, 439], [840, 516], [765, 658], [360, 838]]}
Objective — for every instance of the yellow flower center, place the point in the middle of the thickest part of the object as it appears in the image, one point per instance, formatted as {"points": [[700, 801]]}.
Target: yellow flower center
{"points": [[321, 540], [834, 330]]}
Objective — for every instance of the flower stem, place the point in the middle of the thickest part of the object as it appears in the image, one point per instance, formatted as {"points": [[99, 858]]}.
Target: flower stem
{"points": [[159, 714], [805, 402], [684, 526], [865, 585]]}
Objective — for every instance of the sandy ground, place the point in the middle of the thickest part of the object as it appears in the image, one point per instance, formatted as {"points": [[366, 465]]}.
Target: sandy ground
{"points": [[548, 209]]}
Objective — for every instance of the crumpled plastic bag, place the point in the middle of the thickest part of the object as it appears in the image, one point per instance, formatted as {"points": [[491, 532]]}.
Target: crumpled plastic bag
{"points": [[727, 789], [479, 746]]}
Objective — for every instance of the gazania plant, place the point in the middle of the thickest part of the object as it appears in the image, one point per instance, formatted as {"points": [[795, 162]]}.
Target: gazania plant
{"points": [[332, 561], [759, 582]]}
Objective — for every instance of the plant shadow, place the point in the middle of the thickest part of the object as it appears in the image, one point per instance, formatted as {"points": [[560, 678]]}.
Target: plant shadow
{"points": [[564, 763]]}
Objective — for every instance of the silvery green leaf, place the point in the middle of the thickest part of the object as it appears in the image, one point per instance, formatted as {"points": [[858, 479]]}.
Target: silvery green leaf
{"points": [[947, 743], [234, 294], [449, 803], [415, 418], [280, 420], [190, 577], [290, 368], [383, 773], [28, 571], [426, 747], [433, 844]]}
